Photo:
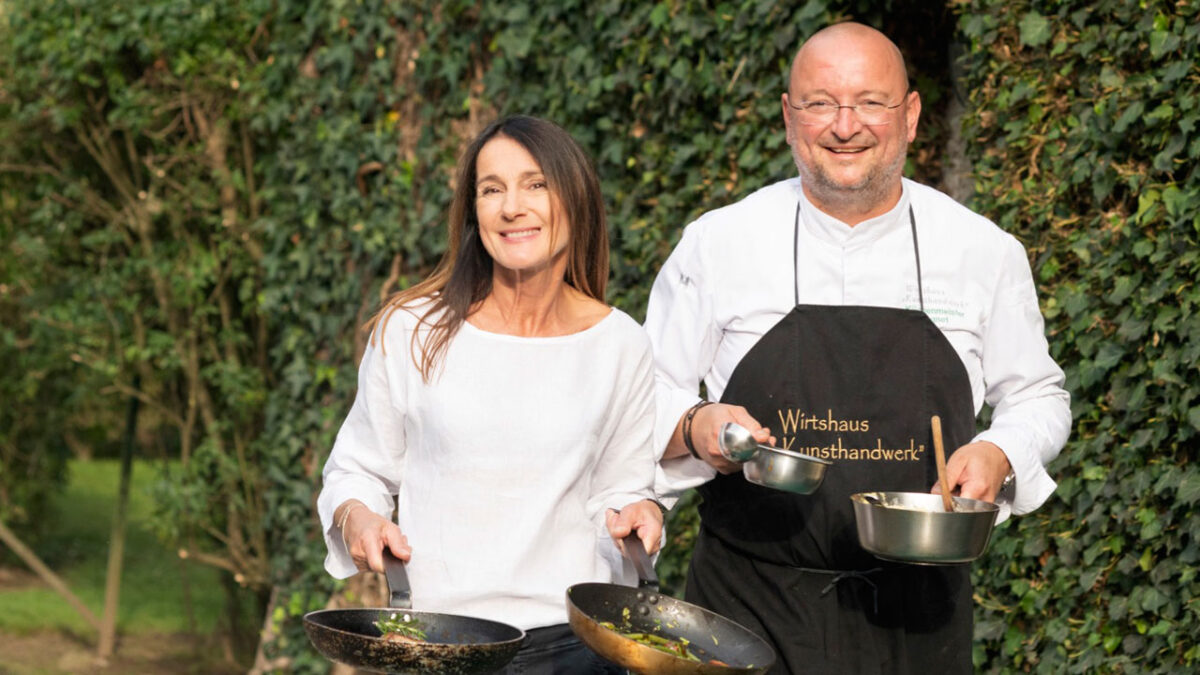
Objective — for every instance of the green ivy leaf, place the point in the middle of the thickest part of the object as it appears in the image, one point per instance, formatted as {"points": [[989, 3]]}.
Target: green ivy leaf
{"points": [[1110, 78], [1175, 200], [1035, 30], [660, 14], [1189, 487]]}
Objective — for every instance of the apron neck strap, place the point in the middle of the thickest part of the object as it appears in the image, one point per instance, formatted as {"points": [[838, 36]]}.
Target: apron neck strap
{"points": [[796, 257], [912, 221]]}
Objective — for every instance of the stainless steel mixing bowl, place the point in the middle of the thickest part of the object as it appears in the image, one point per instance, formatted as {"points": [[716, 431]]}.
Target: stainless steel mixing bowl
{"points": [[914, 527]]}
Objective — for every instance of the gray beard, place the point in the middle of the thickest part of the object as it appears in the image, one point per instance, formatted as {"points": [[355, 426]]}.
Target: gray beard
{"points": [[862, 196]]}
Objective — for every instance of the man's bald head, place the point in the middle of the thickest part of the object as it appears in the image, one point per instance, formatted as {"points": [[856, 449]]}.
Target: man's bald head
{"points": [[850, 117], [850, 40]]}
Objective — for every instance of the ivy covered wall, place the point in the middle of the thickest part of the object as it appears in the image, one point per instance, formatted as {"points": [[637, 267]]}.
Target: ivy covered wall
{"points": [[1084, 142]]}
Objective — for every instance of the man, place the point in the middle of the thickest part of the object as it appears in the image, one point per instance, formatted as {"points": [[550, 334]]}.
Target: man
{"points": [[842, 309]]}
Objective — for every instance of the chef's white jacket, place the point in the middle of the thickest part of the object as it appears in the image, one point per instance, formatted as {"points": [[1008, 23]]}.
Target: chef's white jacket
{"points": [[737, 271]]}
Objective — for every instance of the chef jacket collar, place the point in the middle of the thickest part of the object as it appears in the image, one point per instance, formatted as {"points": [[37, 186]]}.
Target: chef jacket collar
{"points": [[832, 230]]}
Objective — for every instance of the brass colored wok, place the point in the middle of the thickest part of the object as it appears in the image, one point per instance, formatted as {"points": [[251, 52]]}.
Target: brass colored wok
{"points": [[710, 636]]}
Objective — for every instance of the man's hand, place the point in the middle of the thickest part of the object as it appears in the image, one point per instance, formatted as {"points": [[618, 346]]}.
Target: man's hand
{"points": [[644, 517], [365, 533], [976, 471], [706, 427]]}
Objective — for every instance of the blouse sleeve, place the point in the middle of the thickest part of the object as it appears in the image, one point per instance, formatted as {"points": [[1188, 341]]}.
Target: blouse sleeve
{"points": [[624, 472], [1031, 416], [368, 455]]}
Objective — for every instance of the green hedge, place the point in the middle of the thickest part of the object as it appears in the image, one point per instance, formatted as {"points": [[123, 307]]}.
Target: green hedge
{"points": [[1085, 146], [127, 155]]}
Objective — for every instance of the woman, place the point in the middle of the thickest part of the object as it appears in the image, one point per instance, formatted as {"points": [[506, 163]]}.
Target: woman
{"points": [[506, 407]]}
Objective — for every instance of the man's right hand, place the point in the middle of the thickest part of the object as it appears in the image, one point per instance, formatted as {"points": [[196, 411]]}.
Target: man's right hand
{"points": [[706, 428]]}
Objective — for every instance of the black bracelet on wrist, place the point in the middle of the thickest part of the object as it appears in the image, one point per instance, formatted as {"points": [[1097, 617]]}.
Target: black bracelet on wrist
{"points": [[687, 428]]}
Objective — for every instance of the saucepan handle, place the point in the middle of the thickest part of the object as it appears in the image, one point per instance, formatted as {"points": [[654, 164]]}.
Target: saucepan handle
{"points": [[641, 562], [399, 592], [736, 443]]}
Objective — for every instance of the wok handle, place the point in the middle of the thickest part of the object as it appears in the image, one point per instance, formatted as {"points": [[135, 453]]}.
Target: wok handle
{"points": [[400, 593], [641, 562]]}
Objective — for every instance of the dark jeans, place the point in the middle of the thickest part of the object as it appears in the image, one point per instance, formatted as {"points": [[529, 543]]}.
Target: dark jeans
{"points": [[554, 650]]}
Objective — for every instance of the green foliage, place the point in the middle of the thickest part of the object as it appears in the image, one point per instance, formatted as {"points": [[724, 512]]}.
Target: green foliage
{"points": [[37, 391], [126, 154], [1084, 145]]}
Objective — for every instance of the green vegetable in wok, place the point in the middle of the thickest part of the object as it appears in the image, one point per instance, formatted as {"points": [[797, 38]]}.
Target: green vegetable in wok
{"points": [[677, 647], [402, 625]]}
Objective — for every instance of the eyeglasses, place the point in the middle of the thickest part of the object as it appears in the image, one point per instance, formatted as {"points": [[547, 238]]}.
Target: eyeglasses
{"points": [[823, 112]]}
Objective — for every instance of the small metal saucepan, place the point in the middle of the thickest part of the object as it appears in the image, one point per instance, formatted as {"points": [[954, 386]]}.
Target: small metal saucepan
{"points": [[454, 644], [914, 527], [769, 466], [721, 645]]}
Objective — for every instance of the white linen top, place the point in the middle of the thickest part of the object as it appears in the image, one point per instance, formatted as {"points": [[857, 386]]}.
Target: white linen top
{"points": [[503, 466], [730, 280]]}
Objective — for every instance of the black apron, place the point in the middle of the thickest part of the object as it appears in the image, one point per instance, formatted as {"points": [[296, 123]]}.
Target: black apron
{"points": [[856, 386]]}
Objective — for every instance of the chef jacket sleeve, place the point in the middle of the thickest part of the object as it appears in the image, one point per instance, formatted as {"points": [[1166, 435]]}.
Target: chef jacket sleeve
{"points": [[1031, 411], [684, 337], [367, 456]]}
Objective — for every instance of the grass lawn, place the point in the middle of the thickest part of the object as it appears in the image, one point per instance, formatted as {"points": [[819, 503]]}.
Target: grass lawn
{"points": [[152, 598]]}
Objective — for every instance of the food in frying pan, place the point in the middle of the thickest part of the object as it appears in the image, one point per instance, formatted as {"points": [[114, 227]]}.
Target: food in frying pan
{"points": [[401, 628], [678, 647], [673, 647]]}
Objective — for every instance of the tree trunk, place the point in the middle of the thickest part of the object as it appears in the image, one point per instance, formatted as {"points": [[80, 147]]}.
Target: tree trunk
{"points": [[266, 636], [116, 546]]}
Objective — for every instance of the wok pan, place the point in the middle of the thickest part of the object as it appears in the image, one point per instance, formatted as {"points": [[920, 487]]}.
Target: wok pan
{"points": [[454, 644], [644, 610]]}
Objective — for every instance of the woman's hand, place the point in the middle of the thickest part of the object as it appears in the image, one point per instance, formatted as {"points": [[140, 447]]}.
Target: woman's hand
{"points": [[365, 533], [644, 517]]}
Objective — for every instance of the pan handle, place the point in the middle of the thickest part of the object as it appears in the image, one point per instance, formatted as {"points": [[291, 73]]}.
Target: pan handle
{"points": [[641, 562], [400, 593]]}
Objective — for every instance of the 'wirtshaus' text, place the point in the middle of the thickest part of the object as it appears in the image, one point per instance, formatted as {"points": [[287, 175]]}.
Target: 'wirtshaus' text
{"points": [[793, 420]]}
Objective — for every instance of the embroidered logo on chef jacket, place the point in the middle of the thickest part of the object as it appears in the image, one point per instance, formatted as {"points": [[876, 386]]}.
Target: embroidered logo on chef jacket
{"points": [[829, 436], [943, 308]]}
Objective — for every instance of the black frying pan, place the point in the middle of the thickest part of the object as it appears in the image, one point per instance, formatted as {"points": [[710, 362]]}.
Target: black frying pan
{"points": [[454, 644], [735, 648]]}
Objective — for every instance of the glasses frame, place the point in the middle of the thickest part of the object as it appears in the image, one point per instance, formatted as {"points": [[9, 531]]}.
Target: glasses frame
{"points": [[838, 107]]}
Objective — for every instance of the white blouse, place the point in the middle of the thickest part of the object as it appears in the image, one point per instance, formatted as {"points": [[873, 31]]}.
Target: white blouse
{"points": [[731, 279], [503, 466]]}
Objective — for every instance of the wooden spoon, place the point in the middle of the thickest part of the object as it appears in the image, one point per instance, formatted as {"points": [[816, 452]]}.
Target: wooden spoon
{"points": [[940, 453]]}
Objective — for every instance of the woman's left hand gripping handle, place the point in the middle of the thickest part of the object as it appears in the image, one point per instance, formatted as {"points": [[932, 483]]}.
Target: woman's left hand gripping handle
{"points": [[365, 533]]}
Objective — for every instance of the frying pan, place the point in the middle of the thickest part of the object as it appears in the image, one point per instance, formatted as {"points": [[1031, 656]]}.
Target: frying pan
{"points": [[644, 610], [454, 644]]}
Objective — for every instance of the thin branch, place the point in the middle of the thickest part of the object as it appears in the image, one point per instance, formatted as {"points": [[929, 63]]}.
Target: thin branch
{"points": [[248, 171], [145, 398], [208, 559], [53, 580], [134, 162], [28, 169]]}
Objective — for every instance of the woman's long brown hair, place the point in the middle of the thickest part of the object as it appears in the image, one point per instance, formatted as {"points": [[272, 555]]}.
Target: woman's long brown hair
{"points": [[463, 277]]}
